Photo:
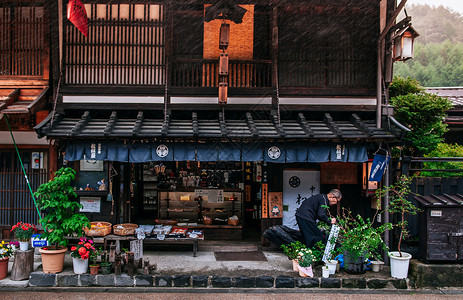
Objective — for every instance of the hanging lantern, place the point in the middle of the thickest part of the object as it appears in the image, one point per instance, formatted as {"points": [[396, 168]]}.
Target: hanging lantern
{"points": [[403, 44], [224, 36], [223, 64], [223, 90], [368, 187]]}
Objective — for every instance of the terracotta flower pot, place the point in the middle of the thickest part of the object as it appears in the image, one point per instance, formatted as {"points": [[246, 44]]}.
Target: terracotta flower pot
{"points": [[53, 260], [4, 267], [94, 269]]}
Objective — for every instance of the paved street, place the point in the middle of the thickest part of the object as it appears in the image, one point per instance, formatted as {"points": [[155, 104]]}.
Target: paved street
{"points": [[116, 294]]}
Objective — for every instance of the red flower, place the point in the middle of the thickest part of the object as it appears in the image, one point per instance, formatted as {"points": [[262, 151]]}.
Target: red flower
{"points": [[85, 256], [87, 245], [82, 250], [73, 248]]}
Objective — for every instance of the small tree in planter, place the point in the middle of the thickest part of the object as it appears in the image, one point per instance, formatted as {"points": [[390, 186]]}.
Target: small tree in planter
{"points": [[400, 204], [56, 199], [359, 240]]}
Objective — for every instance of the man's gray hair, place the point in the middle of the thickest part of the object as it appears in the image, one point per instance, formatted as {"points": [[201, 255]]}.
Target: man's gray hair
{"points": [[336, 193]]}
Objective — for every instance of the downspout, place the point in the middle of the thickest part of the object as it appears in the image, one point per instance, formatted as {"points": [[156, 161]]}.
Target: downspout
{"points": [[386, 215], [378, 86]]}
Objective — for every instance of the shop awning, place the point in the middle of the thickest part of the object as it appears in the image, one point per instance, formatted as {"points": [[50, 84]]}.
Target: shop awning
{"points": [[278, 152], [242, 126], [208, 136]]}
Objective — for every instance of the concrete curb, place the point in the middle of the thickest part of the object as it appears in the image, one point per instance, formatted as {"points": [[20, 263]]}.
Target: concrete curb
{"points": [[40, 279]]}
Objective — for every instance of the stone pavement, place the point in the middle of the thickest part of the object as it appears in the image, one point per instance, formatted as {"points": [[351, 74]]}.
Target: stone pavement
{"points": [[177, 268]]}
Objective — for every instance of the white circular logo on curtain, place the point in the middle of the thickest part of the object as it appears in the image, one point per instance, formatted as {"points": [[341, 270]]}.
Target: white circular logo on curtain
{"points": [[274, 152], [162, 150]]}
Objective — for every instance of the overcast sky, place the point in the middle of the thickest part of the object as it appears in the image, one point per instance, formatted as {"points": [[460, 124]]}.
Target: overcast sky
{"points": [[456, 5]]}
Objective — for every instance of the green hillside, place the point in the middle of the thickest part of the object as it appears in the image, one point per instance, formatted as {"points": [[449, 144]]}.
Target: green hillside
{"points": [[438, 57]]}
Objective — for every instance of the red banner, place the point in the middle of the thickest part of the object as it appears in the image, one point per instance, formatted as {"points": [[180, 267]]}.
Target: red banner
{"points": [[78, 16]]}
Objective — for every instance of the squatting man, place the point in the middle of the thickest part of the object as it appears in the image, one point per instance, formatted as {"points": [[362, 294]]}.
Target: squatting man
{"points": [[313, 209]]}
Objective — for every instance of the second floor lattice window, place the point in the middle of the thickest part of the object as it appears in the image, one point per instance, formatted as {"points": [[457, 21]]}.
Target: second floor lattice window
{"points": [[125, 46], [22, 47]]}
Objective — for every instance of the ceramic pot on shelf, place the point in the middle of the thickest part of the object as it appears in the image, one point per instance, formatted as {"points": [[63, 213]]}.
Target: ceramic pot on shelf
{"points": [[80, 265], [24, 246]]}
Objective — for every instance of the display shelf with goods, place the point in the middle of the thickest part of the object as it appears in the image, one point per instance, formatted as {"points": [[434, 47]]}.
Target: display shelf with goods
{"points": [[187, 206], [150, 190]]}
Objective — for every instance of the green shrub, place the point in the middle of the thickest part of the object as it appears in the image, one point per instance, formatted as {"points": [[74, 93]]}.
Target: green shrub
{"points": [[402, 86], [444, 150]]}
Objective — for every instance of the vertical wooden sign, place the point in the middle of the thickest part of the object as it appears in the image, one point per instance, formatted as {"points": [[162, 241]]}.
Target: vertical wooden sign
{"points": [[275, 204], [247, 193], [264, 200]]}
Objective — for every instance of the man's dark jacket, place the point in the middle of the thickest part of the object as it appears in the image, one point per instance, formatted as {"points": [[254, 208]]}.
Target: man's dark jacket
{"points": [[311, 209]]}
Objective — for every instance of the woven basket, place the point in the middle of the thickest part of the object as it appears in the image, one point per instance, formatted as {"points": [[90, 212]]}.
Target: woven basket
{"points": [[125, 229], [98, 229]]}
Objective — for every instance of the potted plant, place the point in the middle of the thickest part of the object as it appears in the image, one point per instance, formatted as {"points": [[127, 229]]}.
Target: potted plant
{"points": [[105, 264], [56, 199], [359, 239], [94, 266], [305, 259], [292, 250], [23, 233], [81, 254], [6, 251], [400, 204]]}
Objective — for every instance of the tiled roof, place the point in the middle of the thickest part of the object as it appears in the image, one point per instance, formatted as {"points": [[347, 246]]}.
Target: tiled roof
{"points": [[245, 125]]}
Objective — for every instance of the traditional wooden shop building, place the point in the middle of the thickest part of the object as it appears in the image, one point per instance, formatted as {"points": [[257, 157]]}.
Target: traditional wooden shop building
{"points": [[24, 98], [198, 111]]}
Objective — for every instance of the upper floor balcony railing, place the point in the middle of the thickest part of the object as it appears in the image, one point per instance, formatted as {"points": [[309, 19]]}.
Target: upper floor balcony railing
{"points": [[196, 73]]}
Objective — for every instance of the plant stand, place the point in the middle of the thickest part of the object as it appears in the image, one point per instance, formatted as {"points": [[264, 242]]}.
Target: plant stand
{"points": [[23, 264]]}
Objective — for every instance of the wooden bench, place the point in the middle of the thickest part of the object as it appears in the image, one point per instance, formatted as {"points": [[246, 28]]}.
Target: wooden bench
{"points": [[147, 240]]}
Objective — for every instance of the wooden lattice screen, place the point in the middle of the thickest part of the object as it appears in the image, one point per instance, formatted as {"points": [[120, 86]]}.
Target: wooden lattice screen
{"points": [[16, 203], [125, 46], [22, 46]]}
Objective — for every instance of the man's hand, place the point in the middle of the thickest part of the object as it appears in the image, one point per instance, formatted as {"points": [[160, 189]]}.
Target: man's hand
{"points": [[333, 220]]}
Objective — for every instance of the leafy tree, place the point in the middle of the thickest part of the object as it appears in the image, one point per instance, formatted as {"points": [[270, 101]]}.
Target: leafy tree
{"points": [[403, 86], [422, 112], [444, 150]]}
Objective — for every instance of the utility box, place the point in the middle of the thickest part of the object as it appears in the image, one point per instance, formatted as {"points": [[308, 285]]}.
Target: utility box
{"points": [[441, 227]]}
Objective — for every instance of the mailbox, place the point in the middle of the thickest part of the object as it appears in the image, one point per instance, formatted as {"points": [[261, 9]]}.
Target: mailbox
{"points": [[441, 227]]}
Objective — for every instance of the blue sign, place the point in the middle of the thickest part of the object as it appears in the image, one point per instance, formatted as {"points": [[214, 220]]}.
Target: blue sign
{"points": [[378, 167], [38, 242]]}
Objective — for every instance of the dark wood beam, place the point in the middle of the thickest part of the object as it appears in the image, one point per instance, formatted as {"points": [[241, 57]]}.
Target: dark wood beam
{"points": [[223, 124], [360, 125], [111, 123], [305, 125], [251, 125], [13, 97], [81, 124], [40, 102], [137, 126], [332, 126], [194, 117]]}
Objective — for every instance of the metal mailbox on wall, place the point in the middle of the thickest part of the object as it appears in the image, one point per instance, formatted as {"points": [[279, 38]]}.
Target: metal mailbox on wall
{"points": [[441, 227]]}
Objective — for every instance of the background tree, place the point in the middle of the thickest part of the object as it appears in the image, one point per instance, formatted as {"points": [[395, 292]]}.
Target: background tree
{"points": [[422, 112]]}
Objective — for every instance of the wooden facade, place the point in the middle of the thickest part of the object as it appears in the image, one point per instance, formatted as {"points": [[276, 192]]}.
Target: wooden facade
{"points": [[291, 60]]}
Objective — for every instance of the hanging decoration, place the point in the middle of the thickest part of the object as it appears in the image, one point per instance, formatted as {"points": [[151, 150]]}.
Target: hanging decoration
{"points": [[78, 16]]}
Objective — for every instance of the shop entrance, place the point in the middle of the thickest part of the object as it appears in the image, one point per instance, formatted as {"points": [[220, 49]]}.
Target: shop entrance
{"points": [[215, 197]]}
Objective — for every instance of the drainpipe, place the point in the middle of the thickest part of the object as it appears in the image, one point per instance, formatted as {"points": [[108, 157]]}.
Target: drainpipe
{"points": [[386, 215], [378, 86]]}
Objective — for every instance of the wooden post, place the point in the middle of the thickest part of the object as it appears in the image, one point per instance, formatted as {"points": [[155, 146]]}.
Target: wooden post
{"points": [[118, 264], [112, 253], [23, 264], [130, 263]]}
